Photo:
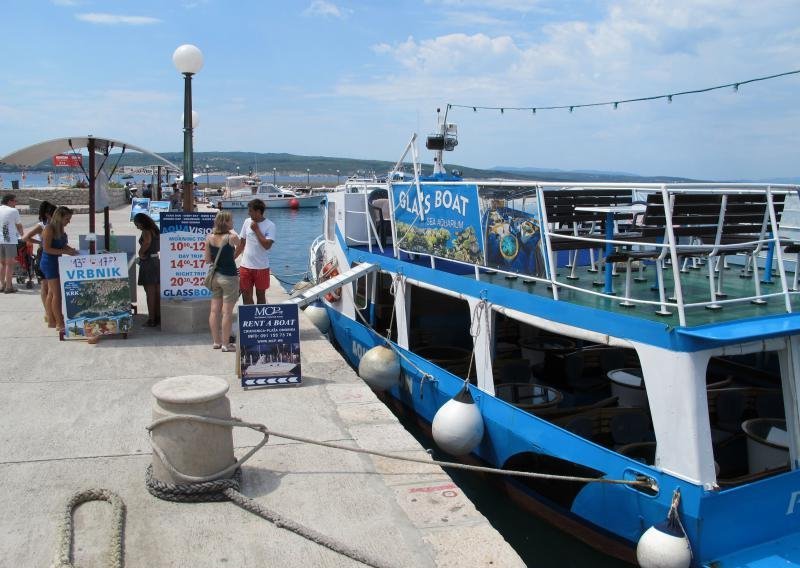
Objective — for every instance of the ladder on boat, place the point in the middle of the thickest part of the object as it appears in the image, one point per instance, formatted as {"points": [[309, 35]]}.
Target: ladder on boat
{"points": [[317, 291]]}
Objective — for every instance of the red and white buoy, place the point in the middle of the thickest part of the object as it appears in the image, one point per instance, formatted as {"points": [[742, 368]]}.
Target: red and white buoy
{"points": [[294, 203]]}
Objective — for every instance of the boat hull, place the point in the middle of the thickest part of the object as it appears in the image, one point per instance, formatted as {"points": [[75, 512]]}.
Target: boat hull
{"points": [[610, 518]]}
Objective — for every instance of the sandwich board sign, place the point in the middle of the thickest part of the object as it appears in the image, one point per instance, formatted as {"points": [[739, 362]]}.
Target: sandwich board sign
{"points": [[269, 345], [95, 295]]}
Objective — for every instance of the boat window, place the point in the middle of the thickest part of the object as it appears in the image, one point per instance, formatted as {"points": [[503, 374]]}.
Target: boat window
{"points": [[379, 313], [439, 330], [330, 223], [748, 417]]}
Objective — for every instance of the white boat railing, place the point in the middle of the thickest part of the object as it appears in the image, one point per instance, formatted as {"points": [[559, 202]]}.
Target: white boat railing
{"points": [[370, 230], [673, 248]]}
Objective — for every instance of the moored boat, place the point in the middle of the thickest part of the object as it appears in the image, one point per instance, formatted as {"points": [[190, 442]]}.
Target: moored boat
{"points": [[238, 195], [626, 333]]}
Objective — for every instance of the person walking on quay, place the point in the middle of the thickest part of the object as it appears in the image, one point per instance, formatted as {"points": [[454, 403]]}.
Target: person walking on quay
{"points": [[54, 242], [175, 202], [221, 245], [256, 238], [150, 266], [33, 236], [10, 232]]}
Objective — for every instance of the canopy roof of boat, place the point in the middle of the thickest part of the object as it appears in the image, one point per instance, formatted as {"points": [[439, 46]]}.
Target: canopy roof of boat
{"points": [[33, 155]]}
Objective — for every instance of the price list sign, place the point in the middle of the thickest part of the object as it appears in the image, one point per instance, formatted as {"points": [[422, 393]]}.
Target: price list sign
{"points": [[95, 295], [269, 345], [183, 246]]}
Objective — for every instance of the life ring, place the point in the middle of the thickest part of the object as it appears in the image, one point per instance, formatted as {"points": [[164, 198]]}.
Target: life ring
{"points": [[328, 272]]}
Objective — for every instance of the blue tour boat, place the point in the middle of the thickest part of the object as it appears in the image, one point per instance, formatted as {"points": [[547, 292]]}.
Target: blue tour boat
{"points": [[640, 333]]}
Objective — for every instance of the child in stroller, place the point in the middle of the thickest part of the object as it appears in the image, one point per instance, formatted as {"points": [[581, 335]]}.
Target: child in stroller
{"points": [[23, 272]]}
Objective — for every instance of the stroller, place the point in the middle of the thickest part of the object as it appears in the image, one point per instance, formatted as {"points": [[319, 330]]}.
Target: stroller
{"points": [[23, 271]]}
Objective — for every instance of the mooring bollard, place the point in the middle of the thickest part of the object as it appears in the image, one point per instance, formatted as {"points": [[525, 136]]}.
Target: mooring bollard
{"points": [[193, 448]]}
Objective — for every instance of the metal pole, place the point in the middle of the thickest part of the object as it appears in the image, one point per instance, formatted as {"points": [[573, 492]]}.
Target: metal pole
{"points": [[188, 173], [92, 243], [158, 184]]}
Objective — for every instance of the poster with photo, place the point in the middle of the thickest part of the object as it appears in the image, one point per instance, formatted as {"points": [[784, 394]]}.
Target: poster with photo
{"points": [[183, 246], [513, 241], [96, 295], [140, 205], [444, 223], [269, 345], [157, 209]]}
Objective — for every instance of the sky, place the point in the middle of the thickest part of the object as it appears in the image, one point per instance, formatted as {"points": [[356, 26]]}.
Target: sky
{"points": [[356, 79]]}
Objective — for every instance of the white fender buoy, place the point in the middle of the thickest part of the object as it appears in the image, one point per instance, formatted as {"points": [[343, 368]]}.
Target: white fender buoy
{"points": [[458, 424], [318, 314], [665, 545], [379, 368]]}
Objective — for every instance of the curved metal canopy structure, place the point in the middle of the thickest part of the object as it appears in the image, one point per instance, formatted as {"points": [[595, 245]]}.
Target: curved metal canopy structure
{"points": [[33, 155]]}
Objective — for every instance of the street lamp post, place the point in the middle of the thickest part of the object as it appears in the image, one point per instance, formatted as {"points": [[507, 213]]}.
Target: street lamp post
{"points": [[308, 177], [206, 176], [237, 170], [337, 177], [188, 59], [274, 177]]}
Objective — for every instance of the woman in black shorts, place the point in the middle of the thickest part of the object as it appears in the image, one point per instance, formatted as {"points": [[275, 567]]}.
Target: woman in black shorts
{"points": [[150, 266]]}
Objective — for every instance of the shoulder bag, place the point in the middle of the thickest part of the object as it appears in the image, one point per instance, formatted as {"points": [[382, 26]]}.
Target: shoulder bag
{"points": [[213, 268]]}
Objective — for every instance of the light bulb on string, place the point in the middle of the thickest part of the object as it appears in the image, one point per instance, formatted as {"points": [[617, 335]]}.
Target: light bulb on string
{"points": [[616, 105], [502, 110], [736, 87], [474, 109], [533, 111], [669, 99], [571, 109]]}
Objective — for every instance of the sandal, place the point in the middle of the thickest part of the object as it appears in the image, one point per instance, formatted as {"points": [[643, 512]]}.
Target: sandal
{"points": [[229, 348], [216, 346]]}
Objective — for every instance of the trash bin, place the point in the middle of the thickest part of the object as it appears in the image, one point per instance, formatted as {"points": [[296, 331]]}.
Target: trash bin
{"points": [[14, 184]]}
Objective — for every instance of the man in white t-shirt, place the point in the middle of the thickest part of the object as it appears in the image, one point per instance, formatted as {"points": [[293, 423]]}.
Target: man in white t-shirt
{"points": [[257, 236], [10, 232]]}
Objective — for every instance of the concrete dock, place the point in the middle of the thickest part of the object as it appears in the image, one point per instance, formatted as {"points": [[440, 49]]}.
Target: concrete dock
{"points": [[74, 417]]}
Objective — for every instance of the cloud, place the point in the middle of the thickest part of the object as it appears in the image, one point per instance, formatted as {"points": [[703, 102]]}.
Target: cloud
{"points": [[630, 49], [453, 53], [323, 8], [116, 19], [507, 5]]}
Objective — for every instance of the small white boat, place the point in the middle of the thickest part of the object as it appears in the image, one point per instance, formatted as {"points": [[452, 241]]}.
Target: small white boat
{"points": [[264, 368], [239, 190]]}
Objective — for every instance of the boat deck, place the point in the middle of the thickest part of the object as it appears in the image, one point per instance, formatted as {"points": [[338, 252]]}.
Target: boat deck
{"points": [[587, 290]]}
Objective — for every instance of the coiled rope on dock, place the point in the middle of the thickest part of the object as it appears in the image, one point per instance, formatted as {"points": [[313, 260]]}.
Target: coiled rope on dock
{"points": [[66, 530], [215, 488]]}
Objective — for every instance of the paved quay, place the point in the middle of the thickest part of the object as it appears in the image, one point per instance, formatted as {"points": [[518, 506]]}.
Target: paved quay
{"points": [[74, 417]]}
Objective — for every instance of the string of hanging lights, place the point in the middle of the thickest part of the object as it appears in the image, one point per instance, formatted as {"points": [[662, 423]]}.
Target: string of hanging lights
{"points": [[615, 104]]}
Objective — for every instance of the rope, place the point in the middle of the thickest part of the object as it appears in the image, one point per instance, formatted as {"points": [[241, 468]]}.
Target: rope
{"points": [[213, 489], [474, 331], [235, 422], [66, 531]]}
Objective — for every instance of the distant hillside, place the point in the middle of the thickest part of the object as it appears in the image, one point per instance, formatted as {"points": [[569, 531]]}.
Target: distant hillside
{"points": [[590, 175], [322, 165]]}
